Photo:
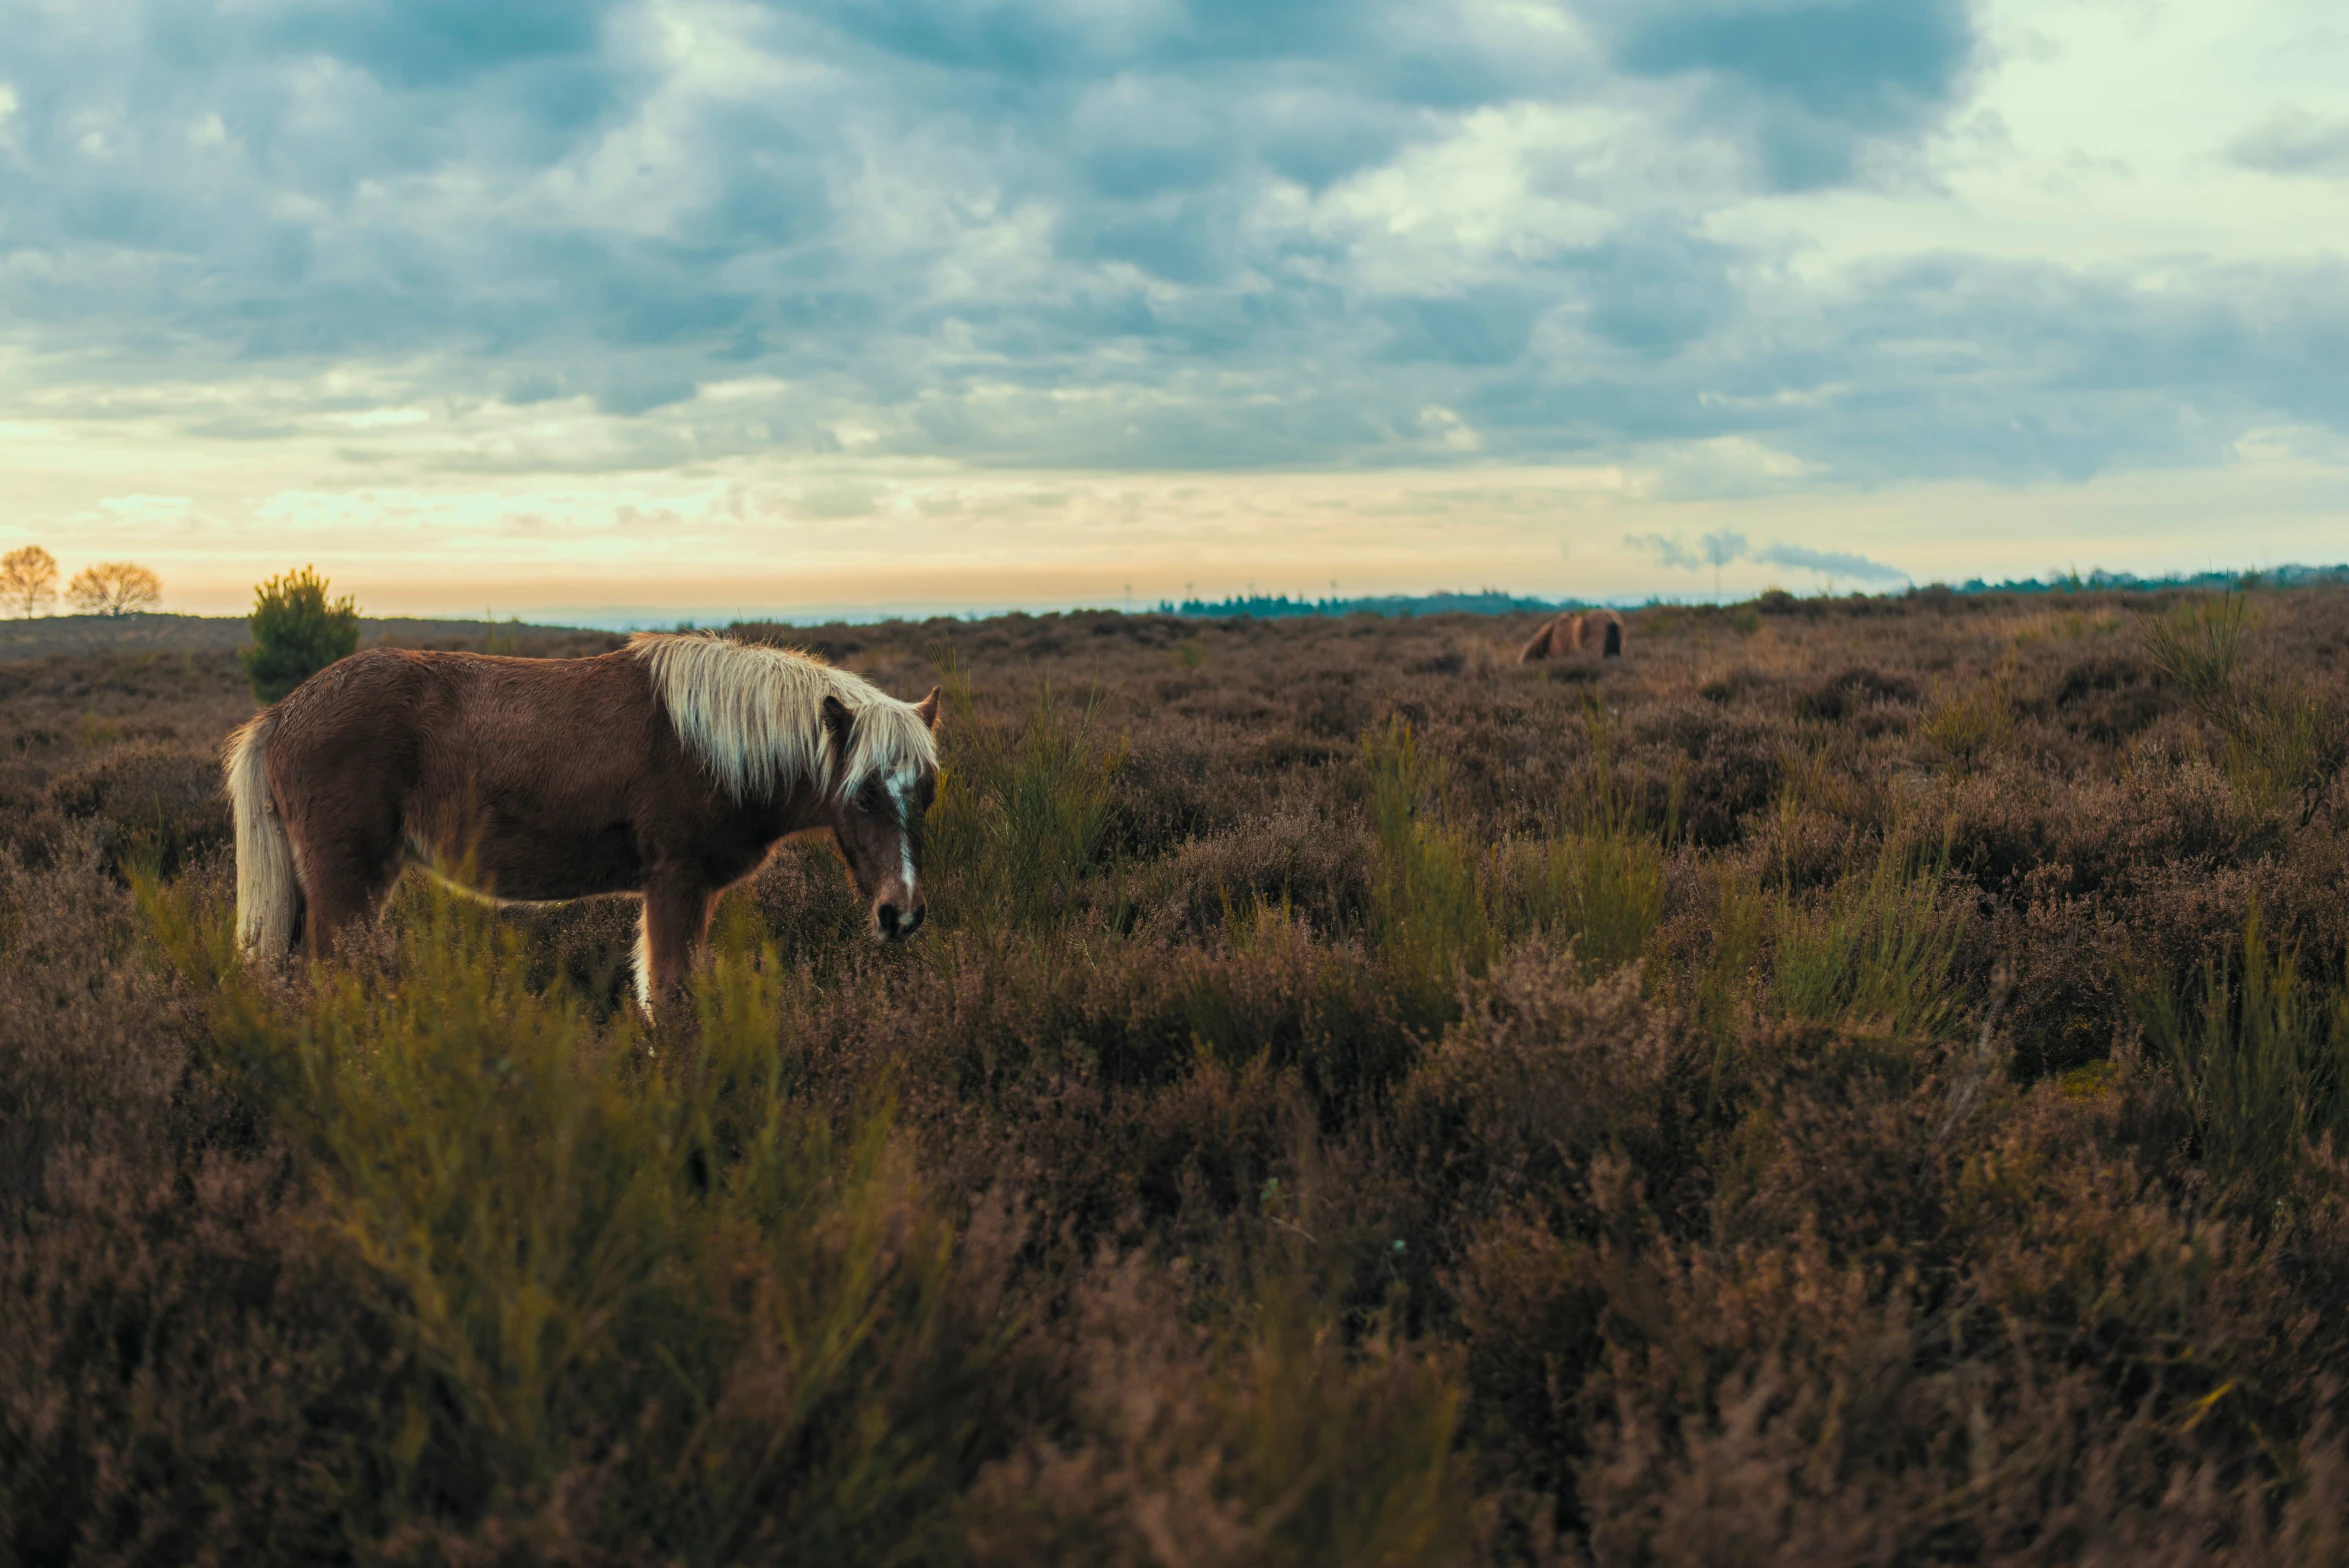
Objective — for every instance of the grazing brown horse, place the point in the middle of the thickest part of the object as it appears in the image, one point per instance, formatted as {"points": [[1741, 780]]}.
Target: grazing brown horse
{"points": [[1594, 634], [669, 768]]}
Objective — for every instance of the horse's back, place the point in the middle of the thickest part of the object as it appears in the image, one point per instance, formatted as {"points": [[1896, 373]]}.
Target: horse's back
{"points": [[1558, 637], [396, 691], [411, 735], [1588, 634], [359, 720]]}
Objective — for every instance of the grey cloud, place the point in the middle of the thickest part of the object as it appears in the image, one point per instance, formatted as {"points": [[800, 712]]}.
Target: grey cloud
{"points": [[2294, 142], [421, 43], [1722, 549], [1479, 327], [1873, 63], [624, 393], [1808, 84], [534, 388], [1091, 233], [1316, 137], [1060, 39], [1188, 240], [2089, 370], [1655, 288], [1830, 563], [1668, 552]]}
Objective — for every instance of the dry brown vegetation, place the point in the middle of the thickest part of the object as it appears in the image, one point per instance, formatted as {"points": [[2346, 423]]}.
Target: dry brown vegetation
{"points": [[1856, 1082]]}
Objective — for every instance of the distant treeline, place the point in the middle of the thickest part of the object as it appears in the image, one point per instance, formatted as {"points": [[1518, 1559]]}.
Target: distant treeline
{"points": [[1266, 606], [1492, 601], [2129, 582]]}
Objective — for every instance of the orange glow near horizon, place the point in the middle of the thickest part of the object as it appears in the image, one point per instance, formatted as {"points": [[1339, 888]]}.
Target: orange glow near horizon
{"points": [[974, 544]]}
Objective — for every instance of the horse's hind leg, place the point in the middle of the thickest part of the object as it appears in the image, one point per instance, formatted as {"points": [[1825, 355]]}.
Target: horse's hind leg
{"points": [[340, 887], [345, 864], [676, 922]]}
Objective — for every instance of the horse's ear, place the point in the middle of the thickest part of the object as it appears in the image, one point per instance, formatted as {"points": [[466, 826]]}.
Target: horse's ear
{"points": [[927, 710], [839, 719]]}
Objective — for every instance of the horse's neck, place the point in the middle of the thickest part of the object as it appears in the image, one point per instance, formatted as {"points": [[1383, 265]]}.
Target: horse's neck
{"points": [[801, 807]]}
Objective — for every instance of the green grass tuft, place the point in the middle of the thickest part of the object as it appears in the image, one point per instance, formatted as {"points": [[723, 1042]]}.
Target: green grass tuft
{"points": [[1876, 952], [1429, 905], [1023, 810], [2262, 1053]]}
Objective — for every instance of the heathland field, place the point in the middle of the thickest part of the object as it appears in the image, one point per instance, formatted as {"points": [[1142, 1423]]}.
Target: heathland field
{"points": [[1853, 1082]]}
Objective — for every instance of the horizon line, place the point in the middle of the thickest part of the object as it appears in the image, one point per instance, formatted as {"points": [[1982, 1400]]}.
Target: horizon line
{"points": [[631, 618]]}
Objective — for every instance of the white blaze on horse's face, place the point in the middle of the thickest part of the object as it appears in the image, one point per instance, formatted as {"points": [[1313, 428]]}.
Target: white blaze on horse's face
{"points": [[891, 760], [879, 826], [901, 802]]}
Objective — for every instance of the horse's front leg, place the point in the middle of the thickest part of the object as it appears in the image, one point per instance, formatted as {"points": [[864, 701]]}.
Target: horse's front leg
{"points": [[675, 926]]}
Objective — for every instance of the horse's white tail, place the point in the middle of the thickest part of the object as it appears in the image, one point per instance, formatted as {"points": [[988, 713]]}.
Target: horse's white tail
{"points": [[268, 898]]}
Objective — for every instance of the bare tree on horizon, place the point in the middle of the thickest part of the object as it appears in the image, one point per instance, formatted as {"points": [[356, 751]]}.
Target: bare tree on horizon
{"points": [[114, 588], [28, 579]]}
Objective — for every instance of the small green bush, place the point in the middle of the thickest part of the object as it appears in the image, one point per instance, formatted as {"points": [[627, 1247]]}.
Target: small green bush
{"points": [[297, 631], [1967, 726]]}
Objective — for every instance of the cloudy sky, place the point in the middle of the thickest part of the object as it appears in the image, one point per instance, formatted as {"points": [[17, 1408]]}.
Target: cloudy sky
{"points": [[697, 307]]}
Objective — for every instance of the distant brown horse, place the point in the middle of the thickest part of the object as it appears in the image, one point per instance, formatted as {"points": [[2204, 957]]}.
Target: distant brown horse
{"points": [[1593, 634], [669, 768]]}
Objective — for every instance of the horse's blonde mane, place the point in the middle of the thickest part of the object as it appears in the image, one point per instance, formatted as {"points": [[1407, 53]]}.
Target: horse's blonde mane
{"points": [[754, 715]]}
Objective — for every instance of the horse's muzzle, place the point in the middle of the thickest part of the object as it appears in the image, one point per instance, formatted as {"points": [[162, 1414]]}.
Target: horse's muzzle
{"points": [[896, 924]]}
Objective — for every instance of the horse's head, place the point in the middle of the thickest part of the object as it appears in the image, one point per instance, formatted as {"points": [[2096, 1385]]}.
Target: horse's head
{"points": [[887, 766]]}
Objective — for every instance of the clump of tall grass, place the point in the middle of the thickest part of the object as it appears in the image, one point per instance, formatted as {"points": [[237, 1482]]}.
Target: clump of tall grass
{"points": [[2278, 735], [635, 1290], [1023, 811], [2280, 747], [1599, 883], [1604, 892], [2262, 1055], [1444, 907], [1430, 911], [1723, 988], [2200, 645], [1877, 951]]}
